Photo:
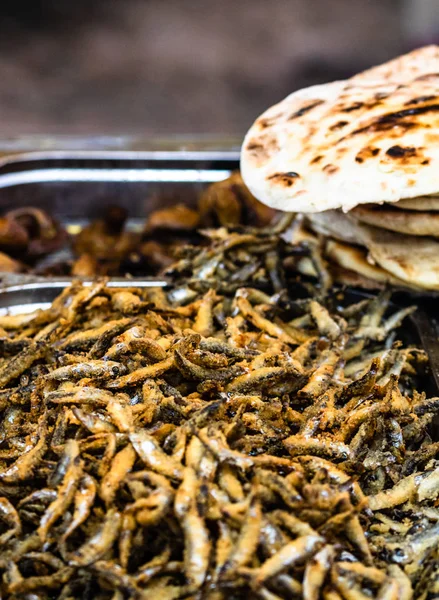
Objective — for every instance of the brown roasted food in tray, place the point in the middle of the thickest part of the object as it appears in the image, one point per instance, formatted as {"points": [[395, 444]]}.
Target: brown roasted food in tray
{"points": [[31, 241], [219, 441], [26, 235]]}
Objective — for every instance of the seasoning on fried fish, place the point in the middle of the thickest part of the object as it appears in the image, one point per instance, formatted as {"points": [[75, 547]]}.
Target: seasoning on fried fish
{"points": [[249, 444]]}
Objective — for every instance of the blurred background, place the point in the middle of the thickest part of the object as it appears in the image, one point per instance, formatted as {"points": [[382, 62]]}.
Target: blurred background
{"points": [[185, 66]]}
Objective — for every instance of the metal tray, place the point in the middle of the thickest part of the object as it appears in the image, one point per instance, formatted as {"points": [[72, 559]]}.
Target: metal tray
{"points": [[75, 179]]}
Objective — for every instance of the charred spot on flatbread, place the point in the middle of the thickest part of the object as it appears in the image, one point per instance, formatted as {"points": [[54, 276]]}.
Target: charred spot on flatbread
{"points": [[305, 109], [405, 118], [401, 152], [420, 100], [330, 169], [366, 152], [338, 125], [407, 155], [286, 179], [262, 148], [265, 122], [352, 107]]}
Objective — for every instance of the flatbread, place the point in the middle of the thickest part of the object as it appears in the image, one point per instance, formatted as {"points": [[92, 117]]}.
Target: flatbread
{"points": [[414, 261], [348, 264], [423, 203], [354, 259], [401, 221], [334, 223], [340, 275], [354, 280], [371, 138]]}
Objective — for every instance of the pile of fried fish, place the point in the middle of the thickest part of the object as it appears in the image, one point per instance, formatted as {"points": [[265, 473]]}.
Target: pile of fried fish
{"points": [[235, 436]]}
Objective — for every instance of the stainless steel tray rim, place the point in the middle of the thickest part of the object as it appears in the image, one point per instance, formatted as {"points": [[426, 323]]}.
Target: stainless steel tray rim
{"points": [[15, 149], [128, 155], [63, 175]]}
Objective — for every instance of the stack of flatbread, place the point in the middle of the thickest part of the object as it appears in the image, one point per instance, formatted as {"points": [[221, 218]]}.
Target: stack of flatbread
{"points": [[359, 159]]}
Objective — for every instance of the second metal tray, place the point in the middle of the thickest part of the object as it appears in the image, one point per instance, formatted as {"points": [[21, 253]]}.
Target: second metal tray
{"points": [[76, 179]]}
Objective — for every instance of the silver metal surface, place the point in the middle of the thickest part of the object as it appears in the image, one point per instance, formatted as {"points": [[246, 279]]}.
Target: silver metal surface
{"points": [[14, 147], [75, 179], [117, 158], [112, 175]]}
